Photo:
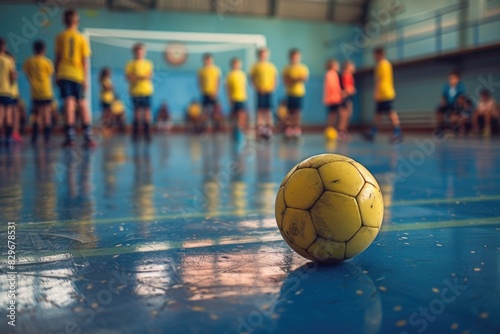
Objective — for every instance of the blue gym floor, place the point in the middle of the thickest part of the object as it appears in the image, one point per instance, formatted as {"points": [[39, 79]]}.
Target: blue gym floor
{"points": [[180, 237]]}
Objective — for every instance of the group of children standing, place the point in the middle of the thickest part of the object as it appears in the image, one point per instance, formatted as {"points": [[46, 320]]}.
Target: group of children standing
{"points": [[71, 70], [72, 52], [264, 78]]}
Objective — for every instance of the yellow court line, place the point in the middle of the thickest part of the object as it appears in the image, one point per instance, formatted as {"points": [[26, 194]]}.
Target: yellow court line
{"points": [[446, 200], [47, 256], [238, 213]]}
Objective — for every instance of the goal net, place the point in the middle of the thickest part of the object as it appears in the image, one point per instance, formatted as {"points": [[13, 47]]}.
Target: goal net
{"points": [[177, 56]]}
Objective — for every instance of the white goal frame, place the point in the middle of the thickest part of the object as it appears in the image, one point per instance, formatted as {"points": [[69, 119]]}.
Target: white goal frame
{"points": [[252, 40]]}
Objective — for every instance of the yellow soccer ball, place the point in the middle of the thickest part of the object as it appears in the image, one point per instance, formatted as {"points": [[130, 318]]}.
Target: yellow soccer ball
{"points": [[194, 111], [331, 133], [329, 208]]}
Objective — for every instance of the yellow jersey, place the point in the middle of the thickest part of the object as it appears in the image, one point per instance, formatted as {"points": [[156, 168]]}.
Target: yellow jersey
{"points": [[385, 81], [117, 107], [15, 90], [72, 49], [294, 72], [263, 76], [143, 69], [236, 82], [107, 94], [7, 66], [39, 70], [209, 77]]}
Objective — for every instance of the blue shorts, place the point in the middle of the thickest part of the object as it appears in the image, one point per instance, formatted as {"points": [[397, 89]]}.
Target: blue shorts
{"points": [[384, 107], [105, 105], [41, 103], [5, 100], [238, 106], [334, 108], [208, 100], [70, 88], [264, 101], [141, 102], [294, 103]]}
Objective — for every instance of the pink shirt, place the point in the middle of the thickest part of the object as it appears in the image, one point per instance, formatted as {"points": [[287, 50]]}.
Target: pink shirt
{"points": [[348, 82], [332, 91], [487, 107]]}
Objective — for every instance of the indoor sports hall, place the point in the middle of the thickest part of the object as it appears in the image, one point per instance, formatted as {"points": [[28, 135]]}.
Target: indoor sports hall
{"points": [[249, 166]]}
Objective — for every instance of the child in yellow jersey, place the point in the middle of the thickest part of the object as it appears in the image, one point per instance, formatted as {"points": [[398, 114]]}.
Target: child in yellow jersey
{"points": [[295, 75], [39, 71], [264, 78], [139, 74], [72, 53], [16, 108], [209, 81], [107, 95], [236, 85], [384, 97], [8, 75]]}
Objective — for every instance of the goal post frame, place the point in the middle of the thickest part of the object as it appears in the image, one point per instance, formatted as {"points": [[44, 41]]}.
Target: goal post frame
{"points": [[253, 40]]}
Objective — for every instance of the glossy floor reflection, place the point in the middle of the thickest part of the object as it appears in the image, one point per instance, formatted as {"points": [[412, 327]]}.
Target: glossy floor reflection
{"points": [[180, 237]]}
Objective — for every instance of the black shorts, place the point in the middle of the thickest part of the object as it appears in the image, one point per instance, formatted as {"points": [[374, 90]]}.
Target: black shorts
{"points": [[294, 103], [334, 108], [264, 101], [384, 107], [15, 101], [238, 106], [208, 101], [5, 101], [347, 99], [70, 88], [141, 102], [105, 105], [41, 103], [447, 108]]}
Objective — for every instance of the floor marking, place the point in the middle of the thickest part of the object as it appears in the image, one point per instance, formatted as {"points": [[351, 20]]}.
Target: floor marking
{"points": [[236, 213], [446, 200], [43, 257]]}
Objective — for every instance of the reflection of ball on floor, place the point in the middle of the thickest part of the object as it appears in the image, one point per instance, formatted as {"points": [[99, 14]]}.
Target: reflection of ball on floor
{"points": [[329, 208], [332, 292]]}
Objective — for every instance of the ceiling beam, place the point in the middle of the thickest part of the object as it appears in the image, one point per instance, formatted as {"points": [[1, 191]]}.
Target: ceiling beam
{"points": [[146, 4], [330, 9], [364, 14], [214, 6], [273, 7]]}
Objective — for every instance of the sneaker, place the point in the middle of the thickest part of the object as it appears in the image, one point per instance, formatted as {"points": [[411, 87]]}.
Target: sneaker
{"points": [[264, 133], [396, 139], [16, 137], [69, 143], [269, 132], [439, 132], [342, 135], [89, 143], [368, 136]]}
